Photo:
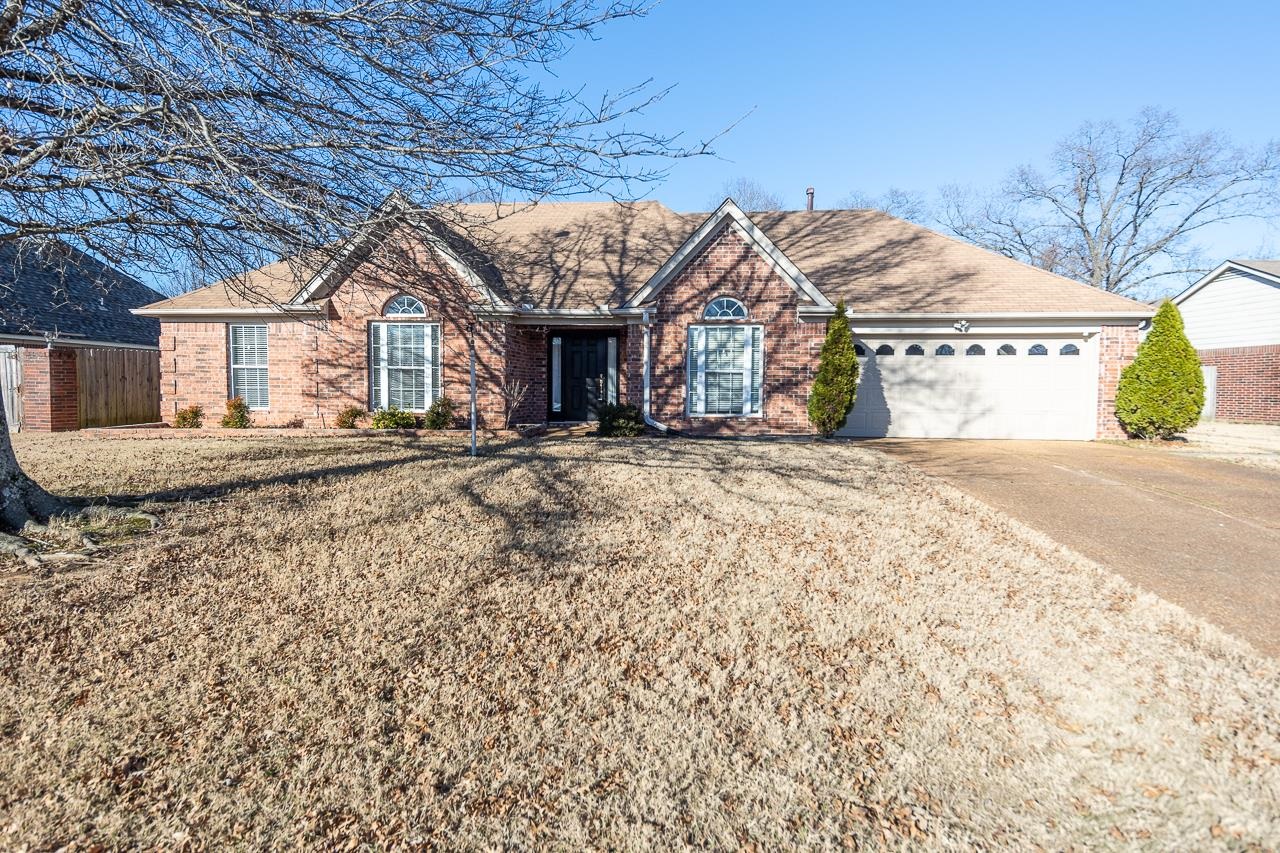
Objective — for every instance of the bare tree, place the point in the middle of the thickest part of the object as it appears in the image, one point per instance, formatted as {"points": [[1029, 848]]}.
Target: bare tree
{"points": [[218, 135], [904, 204], [747, 194], [1120, 207]]}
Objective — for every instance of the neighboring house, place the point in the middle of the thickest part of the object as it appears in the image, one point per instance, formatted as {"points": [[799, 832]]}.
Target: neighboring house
{"points": [[1232, 318], [709, 323], [71, 352]]}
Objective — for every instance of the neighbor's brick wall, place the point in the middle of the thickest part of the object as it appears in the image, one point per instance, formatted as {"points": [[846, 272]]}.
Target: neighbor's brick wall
{"points": [[320, 366], [1248, 383], [50, 389], [1117, 345], [728, 266]]}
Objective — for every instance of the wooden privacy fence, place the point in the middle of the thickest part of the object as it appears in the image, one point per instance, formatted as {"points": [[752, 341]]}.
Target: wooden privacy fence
{"points": [[118, 386]]}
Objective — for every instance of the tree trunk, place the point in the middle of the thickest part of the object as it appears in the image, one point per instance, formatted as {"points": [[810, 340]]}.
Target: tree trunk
{"points": [[21, 498]]}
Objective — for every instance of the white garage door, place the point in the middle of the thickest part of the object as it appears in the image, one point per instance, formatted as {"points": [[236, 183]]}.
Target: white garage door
{"points": [[968, 387]]}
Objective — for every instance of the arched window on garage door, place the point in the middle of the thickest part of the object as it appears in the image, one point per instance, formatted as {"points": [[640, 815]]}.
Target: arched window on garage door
{"points": [[1007, 349], [915, 349], [884, 349], [945, 349], [1069, 349], [975, 349], [1038, 349], [859, 350]]}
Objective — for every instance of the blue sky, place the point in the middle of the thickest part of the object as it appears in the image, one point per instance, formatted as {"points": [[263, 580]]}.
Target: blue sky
{"points": [[865, 96]]}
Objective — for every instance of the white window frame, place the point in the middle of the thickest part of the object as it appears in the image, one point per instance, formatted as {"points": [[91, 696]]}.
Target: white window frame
{"points": [[235, 368], [380, 371], [556, 344], [696, 366]]}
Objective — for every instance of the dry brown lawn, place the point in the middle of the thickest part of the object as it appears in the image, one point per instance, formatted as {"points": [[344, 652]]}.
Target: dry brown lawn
{"points": [[604, 644]]}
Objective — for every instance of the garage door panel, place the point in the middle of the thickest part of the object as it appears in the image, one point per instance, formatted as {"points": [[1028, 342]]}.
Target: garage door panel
{"points": [[987, 396]]}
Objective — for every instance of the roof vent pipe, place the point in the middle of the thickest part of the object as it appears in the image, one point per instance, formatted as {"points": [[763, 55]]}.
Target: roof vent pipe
{"points": [[809, 193]]}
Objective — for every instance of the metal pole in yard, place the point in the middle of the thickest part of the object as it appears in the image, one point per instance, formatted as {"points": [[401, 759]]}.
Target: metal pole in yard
{"points": [[473, 390]]}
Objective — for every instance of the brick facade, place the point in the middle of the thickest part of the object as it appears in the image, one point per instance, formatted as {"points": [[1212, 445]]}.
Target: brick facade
{"points": [[1117, 345], [50, 389], [729, 266], [319, 366], [1248, 383]]}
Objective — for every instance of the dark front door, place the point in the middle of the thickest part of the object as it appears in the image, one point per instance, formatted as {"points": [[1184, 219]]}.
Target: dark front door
{"points": [[586, 365]]}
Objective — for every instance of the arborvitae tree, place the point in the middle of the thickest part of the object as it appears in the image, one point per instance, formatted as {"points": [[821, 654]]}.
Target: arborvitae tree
{"points": [[1162, 392], [836, 384]]}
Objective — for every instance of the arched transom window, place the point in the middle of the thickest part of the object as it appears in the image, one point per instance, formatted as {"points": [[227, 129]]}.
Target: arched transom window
{"points": [[405, 305], [725, 308]]}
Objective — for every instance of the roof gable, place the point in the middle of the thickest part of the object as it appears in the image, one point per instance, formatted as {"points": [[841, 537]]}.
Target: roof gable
{"points": [[1268, 271], [729, 215]]}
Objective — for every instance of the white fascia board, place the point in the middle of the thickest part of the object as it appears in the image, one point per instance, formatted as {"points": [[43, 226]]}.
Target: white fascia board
{"points": [[992, 331], [205, 314], [392, 205], [559, 316], [999, 316], [72, 342], [728, 214]]}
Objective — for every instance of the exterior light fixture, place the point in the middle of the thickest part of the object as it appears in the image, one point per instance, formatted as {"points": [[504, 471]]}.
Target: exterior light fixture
{"points": [[961, 326]]}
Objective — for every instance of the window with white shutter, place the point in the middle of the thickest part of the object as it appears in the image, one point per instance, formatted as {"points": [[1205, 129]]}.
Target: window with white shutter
{"points": [[725, 370], [404, 366], [248, 350]]}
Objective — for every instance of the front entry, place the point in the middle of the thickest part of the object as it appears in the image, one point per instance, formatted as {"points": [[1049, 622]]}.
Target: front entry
{"points": [[584, 371]]}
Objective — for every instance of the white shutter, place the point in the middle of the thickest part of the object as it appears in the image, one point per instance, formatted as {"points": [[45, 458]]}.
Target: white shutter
{"points": [[747, 371], [377, 365], [433, 392]]}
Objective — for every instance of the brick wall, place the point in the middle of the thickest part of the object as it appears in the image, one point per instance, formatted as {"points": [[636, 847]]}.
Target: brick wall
{"points": [[1117, 345], [50, 389], [728, 266], [1248, 383], [319, 366], [527, 366]]}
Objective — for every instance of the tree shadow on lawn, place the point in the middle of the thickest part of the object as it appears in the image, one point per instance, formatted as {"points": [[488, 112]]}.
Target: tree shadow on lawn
{"points": [[734, 466]]}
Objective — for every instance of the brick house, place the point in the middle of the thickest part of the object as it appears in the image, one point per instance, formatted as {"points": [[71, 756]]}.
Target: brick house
{"points": [[1232, 318], [63, 314], [710, 323]]}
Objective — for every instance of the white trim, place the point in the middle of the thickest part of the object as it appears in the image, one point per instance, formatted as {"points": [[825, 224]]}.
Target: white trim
{"points": [[394, 205], [59, 341], [728, 214], [432, 339], [696, 406], [611, 377], [212, 314], [1002, 315], [1223, 267], [233, 365], [557, 368]]}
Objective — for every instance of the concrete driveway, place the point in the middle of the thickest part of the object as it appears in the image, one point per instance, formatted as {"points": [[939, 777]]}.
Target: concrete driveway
{"points": [[1201, 533]]}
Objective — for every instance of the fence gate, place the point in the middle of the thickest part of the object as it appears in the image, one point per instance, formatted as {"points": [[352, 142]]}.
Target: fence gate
{"points": [[11, 386], [118, 386]]}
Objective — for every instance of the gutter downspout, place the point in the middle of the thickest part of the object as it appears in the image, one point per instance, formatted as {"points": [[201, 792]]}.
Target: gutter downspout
{"points": [[644, 319]]}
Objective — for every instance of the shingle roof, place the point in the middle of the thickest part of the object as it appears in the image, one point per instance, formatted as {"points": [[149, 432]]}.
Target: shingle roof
{"points": [[564, 255], [878, 263], [274, 284], [52, 288], [1268, 267]]}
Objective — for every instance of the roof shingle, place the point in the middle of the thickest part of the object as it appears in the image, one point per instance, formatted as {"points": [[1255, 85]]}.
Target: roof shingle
{"points": [[565, 255], [50, 288]]}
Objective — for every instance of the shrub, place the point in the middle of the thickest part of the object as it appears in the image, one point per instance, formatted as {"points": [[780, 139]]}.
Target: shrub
{"points": [[836, 386], [348, 417], [440, 415], [192, 417], [237, 416], [620, 420], [1161, 392], [393, 418]]}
